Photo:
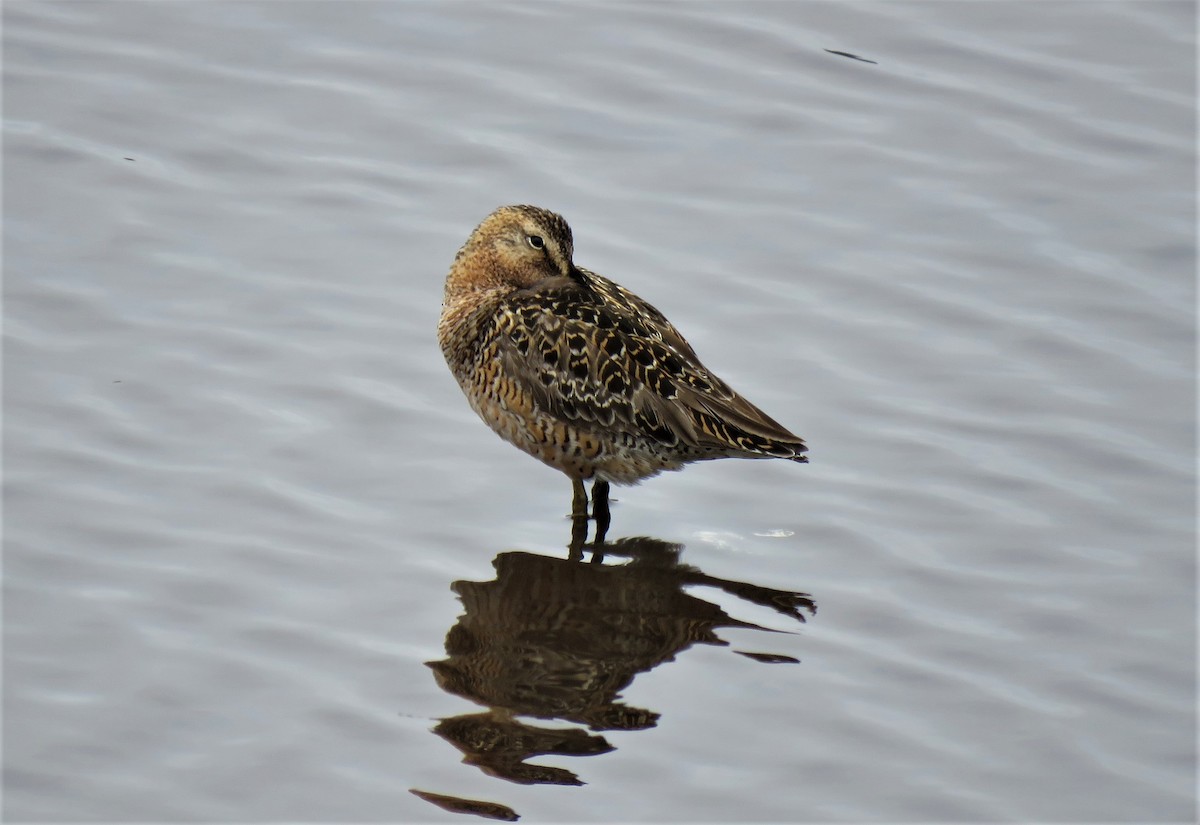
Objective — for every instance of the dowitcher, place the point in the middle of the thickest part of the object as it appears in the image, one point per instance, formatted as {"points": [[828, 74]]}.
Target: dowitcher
{"points": [[581, 373]]}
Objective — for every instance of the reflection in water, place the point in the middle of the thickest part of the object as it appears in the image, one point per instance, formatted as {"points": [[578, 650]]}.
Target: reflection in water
{"points": [[458, 805], [559, 639]]}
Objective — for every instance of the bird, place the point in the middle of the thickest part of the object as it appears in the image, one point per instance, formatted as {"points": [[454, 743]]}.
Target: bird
{"points": [[581, 373]]}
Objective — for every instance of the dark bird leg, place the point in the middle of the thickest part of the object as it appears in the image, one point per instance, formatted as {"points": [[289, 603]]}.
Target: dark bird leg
{"points": [[579, 520], [601, 514], [579, 500], [600, 509]]}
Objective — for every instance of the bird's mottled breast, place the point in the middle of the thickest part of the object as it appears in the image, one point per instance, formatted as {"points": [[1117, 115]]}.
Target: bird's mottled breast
{"points": [[464, 322]]}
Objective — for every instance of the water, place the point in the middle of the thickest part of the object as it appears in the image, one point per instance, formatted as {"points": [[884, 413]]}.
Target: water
{"points": [[243, 495]]}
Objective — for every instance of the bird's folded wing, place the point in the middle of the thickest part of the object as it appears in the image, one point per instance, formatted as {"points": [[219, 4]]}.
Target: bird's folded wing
{"points": [[588, 352]]}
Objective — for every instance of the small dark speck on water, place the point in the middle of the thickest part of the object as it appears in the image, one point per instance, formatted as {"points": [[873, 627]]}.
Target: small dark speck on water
{"points": [[852, 56]]}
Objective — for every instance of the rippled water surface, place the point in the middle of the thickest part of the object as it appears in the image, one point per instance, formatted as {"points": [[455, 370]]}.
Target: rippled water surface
{"points": [[246, 504]]}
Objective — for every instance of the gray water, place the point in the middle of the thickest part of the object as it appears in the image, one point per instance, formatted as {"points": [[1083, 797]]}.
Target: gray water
{"points": [[240, 483]]}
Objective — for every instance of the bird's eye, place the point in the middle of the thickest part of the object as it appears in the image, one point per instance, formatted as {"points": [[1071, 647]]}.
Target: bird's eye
{"points": [[536, 241]]}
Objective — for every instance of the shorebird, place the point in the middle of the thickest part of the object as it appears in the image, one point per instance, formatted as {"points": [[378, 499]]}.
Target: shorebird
{"points": [[581, 373]]}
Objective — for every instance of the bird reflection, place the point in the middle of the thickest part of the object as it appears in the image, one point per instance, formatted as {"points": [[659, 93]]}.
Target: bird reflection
{"points": [[554, 639]]}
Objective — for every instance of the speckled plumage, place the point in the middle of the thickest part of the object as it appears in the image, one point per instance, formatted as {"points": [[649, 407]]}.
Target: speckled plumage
{"points": [[578, 371]]}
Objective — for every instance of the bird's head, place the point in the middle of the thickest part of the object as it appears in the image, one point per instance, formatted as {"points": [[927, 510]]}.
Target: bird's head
{"points": [[514, 247]]}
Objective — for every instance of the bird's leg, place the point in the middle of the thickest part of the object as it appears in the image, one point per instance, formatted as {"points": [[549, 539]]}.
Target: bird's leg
{"points": [[579, 521], [600, 509], [579, 500]]}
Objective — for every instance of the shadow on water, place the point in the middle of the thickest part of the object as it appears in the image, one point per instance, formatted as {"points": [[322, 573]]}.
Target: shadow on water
{"points": [[558, 639]]}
